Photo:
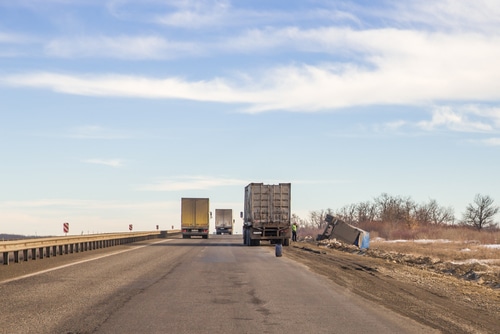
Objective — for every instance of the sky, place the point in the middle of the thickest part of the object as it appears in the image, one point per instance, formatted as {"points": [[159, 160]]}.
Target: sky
{"points": [[111, 111]]}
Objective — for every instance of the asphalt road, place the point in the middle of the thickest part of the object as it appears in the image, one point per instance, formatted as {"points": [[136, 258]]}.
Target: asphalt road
{"points": [[187, 286]]}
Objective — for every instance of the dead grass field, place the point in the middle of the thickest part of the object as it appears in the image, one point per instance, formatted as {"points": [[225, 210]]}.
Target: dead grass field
{"points": [[456, 251]]}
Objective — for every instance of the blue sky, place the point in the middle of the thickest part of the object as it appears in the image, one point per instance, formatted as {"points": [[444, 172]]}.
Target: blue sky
{"points": [[111, 111]]}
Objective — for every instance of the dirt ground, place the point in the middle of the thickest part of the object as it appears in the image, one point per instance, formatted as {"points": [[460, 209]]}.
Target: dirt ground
{"points": [[447, 297]]}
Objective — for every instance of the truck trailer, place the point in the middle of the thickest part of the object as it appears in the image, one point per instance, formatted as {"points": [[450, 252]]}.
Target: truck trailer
{"points": [[267, 214], [336, 228], [195, 217], [224, 221]]}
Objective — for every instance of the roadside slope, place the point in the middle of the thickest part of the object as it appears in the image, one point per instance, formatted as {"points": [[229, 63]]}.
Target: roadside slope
{"points": [[442, 302]]}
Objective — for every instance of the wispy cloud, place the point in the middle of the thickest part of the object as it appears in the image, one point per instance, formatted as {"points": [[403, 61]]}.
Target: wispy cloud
{"points": [[192, 183], [120, 47], [377, 66], [105, 162], [403, 78], [470, 118], [222, 14], [491, 141], [95, 132], [196, 14], [479, 15], [86, 204]]}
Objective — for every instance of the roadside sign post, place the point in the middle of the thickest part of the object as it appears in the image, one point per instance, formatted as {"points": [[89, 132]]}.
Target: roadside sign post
{"points": [[66, 228]]}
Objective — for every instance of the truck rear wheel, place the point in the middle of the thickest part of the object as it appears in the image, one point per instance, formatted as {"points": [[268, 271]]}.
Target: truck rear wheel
{"points": [[244, 237], [254, 242]]}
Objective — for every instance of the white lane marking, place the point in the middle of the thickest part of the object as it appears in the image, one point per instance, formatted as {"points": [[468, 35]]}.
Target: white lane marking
{"points": [[79, 262]]}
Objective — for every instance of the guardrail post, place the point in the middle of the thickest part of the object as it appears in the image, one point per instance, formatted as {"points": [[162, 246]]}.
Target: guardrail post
{"points": [[5, 258], [54, 250], [25, 255], [16, 256], [33, 253], [48, 251], [41, 253]]}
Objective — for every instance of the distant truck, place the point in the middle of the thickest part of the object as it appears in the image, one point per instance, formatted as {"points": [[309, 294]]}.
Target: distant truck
{"points": [[195, 217], [267, 214], [224, 221]]}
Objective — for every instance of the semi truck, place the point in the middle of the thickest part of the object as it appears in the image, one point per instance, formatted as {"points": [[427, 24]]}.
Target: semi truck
{"points": [[224, 221], [267, 214], [195, 217]]}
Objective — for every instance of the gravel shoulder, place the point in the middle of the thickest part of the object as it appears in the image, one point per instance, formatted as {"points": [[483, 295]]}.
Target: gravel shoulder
{"points": [[441, 301]]}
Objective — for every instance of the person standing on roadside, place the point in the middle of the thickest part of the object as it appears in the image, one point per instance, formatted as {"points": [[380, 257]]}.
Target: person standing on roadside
{"points": [[294, 232]]}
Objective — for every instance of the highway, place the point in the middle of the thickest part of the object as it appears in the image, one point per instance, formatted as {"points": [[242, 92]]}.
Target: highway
{"points": [[213, 285]]}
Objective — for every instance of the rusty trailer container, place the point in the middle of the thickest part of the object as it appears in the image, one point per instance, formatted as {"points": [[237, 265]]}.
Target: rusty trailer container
{"points": [[267, 213]]}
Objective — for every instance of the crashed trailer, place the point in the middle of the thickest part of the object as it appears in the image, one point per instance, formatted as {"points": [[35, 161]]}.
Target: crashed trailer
{"points": [[338, 229]]}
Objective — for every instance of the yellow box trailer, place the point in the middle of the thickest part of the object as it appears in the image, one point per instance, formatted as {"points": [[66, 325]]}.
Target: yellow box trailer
{"points": [[195, 217]]}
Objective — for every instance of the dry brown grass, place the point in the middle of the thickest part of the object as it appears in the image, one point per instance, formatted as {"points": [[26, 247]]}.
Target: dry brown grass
{"points": [[448, 243], [442, 249], [457, 251]]}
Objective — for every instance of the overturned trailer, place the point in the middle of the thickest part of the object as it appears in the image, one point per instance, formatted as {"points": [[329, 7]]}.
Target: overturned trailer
{"points": [[338, 229]]}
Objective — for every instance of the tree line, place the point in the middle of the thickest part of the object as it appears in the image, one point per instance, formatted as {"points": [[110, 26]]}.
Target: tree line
{"points": [[404, 211]]}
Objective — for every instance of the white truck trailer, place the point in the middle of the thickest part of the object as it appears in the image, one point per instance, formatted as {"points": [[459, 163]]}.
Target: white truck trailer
{"points": [[224, 221]]}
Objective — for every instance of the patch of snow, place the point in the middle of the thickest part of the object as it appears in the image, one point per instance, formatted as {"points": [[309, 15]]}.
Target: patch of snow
{"points": [[433, 240], [471, 261], [423, 241], [492, 246]]}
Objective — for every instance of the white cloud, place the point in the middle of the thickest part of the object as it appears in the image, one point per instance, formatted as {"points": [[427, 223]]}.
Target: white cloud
{"points": [[380, 66], [192, 183], [218, 14], [491, 141], [120, 47], [395, 125], [196, 14], [130, 86], [108, 162], [398, 67], [462, 119], [95, 132], [478, 15], [84, 204]]}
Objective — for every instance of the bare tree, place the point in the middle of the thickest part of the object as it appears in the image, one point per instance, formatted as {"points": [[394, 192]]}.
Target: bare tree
{"points": [[348, 214], [317, 218], [366, 212], [432, 213], [439, 214], [395, 210], [480, 213]]}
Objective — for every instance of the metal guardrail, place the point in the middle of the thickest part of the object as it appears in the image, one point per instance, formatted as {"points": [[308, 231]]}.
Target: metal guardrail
{"points": [[46, 247]]}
